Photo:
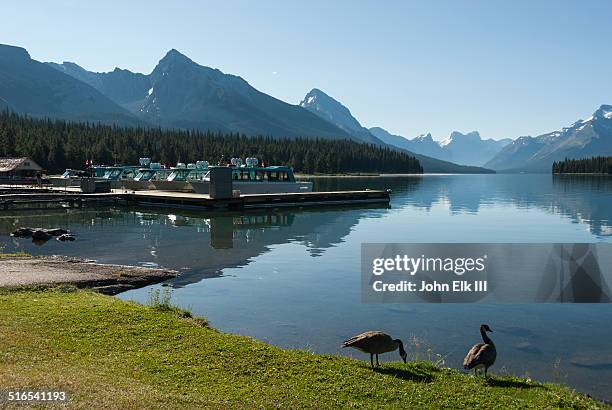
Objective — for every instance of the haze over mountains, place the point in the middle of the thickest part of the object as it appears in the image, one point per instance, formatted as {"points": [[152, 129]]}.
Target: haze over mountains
{"points": [[583, 139], [28, 86], [180, 93], [466, 149], [334, 111]]}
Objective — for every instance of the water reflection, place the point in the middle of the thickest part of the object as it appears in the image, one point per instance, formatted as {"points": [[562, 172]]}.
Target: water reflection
{"points": [[585, 199], [210, 243]]}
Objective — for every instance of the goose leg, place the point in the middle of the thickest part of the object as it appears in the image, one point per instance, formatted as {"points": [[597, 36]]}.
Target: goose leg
{"points": [[377, 364], [371, 360], [485, 372]]}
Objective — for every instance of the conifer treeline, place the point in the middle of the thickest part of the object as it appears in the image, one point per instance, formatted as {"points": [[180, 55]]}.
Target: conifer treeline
{"points": [[57, 145], [594, 165]]}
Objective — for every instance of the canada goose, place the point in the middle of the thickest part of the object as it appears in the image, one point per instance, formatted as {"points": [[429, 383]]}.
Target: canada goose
{"points": [[481, 355], [375, 343]]}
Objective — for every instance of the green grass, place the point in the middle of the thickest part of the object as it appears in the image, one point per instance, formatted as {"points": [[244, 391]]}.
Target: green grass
{"points": [[109, 353], [15, 255]]}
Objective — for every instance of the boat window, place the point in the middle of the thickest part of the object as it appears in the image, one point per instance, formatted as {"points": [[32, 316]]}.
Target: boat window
{"points": [[272, 176], [112, 174]]}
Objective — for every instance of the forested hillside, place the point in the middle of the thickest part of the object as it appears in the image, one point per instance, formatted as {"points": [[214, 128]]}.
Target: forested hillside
{"points": [[594, 165], [58, 144]]}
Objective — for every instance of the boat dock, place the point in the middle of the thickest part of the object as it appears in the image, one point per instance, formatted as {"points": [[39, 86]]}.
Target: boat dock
{"points": [[40, 198]]}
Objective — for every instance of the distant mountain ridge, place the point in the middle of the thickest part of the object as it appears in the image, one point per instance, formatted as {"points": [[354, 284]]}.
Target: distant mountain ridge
{"points": [[178, 93], [583, 139], [466, 149], [121, 86], [334, 111], [471, 149], [183, 94], [30, 87], [326, 107]]}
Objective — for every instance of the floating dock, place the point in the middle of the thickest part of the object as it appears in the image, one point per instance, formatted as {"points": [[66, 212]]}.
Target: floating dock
{"points": [[44, 198]]}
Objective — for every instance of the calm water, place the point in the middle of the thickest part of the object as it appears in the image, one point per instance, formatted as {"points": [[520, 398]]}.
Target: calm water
{"points": [[292, 277]]}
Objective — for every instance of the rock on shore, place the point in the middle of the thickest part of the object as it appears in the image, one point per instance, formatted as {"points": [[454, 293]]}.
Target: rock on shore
{"points": [[54, 270]]}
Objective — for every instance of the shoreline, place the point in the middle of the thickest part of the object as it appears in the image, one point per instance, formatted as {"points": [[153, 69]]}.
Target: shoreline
{"points": [[43, 276], [170, 359], [21, 271]]}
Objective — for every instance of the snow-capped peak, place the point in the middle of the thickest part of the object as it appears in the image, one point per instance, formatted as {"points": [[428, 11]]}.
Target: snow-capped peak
{"points": [[587, 120], [445, 141], [605, 111], [423, 137]]}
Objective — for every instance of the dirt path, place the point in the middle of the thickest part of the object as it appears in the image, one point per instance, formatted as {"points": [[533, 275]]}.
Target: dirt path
{"points": [[53, 270]]}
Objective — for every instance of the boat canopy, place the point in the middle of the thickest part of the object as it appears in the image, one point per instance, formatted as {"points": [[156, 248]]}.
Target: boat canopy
{"points": [[261, 174]]}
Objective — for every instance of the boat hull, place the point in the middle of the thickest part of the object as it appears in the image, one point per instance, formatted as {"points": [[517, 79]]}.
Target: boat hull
{"points": [[174, 186], [257, 187], [134, 185], [65, 182]]}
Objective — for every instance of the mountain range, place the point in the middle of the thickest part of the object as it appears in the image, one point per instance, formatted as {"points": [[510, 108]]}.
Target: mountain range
{"points": [[583, 139], [28, 86], [335, 112], [466, 149], [180, 93]]}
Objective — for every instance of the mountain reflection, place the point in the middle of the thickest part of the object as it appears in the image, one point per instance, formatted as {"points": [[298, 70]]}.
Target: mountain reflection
{"points": [[204, 244], [585, 199]]}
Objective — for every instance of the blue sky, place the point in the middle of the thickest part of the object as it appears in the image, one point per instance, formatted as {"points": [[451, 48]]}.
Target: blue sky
{"points": [[504, 68]]}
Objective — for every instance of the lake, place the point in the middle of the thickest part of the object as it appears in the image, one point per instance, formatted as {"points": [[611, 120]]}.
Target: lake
{"points": [[292, 277]]}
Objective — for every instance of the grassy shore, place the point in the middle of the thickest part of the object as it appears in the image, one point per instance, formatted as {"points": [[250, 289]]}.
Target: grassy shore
{"points": [[14, 255], [109, 353]]}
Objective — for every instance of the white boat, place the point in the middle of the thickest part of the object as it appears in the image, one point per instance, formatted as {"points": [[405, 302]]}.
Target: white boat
{"points": [[70, 178], [146, 178], [251, 179], [181, 176]]}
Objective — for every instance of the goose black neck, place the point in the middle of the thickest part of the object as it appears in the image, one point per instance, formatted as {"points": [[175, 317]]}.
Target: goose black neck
{"points": [[485, 337], [400, 345]]}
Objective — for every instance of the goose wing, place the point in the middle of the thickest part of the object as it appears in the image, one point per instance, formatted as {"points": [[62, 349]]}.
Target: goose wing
{"points": [[368, 342], [480, 353]]}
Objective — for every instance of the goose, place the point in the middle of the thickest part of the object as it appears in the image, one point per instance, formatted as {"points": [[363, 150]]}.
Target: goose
{"points": [[375, 343], [481, 355]]}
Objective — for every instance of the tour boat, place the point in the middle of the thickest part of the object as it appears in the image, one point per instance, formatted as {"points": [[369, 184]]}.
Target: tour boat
{"points": [[70, 178], [252, 179], [181, 176], [146, 177]]}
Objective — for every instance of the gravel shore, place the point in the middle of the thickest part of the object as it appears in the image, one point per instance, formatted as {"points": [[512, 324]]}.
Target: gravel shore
{"points": [[55, 270]]}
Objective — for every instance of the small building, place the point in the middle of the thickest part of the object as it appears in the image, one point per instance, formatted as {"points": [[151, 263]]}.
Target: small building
{"points": [[19, 168]]}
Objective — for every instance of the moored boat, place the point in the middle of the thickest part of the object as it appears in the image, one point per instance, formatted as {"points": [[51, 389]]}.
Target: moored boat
{"points": [[252, 179], [146, 177], [181, 176]]}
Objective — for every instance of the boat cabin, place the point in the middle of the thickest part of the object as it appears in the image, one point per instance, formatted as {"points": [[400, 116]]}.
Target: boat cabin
{"points": [[262, 174]]}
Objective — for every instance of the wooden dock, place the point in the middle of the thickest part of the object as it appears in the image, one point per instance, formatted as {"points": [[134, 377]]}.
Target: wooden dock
{"points": [[41, 198]]}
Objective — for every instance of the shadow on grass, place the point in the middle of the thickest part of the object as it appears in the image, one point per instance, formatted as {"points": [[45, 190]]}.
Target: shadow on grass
{"points": [[414, 375], [515, 383]]}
